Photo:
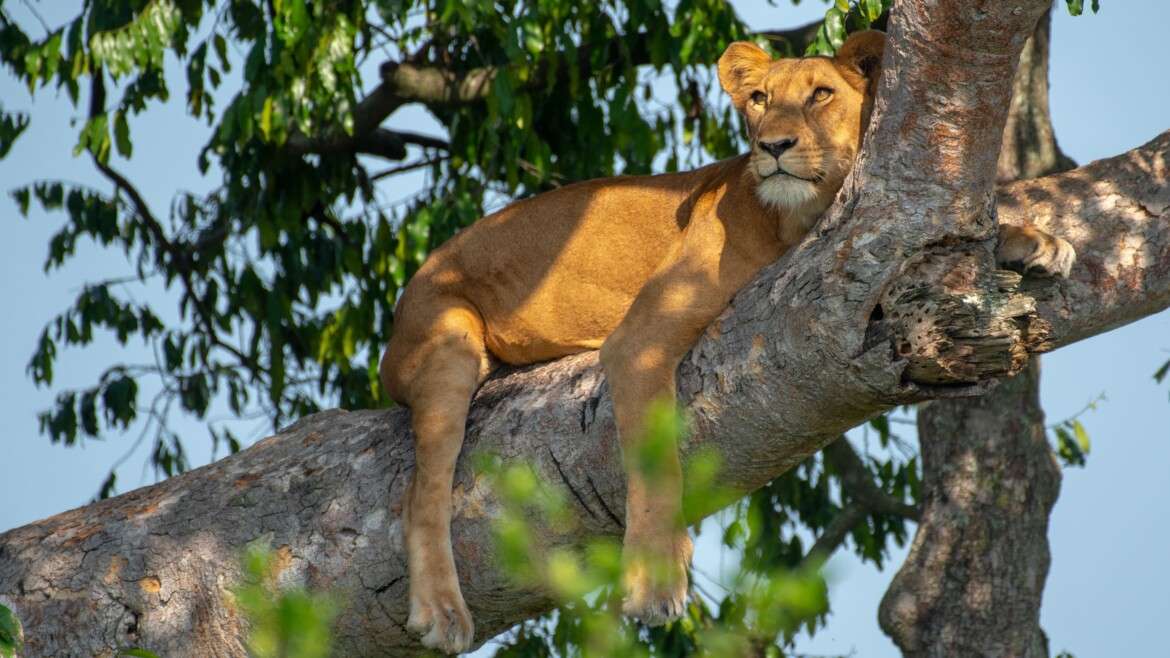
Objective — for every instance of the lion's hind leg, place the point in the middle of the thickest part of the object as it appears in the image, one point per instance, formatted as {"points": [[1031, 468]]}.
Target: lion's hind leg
{"points": [[443, 360]]}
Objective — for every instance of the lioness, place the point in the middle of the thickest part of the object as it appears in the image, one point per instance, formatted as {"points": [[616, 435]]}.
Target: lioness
{"points": [[637, 266]]}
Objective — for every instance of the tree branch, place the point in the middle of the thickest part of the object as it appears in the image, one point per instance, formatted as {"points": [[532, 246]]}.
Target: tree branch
{"points": [[394, 171], [382, 142], [857, 483], [437, 85], [835, 533], [412, 82], [861, 497], [180, 257]]}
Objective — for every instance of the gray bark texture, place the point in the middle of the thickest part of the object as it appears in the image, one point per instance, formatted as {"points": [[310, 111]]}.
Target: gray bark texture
{"points": [[891, 300], [973, 581]]}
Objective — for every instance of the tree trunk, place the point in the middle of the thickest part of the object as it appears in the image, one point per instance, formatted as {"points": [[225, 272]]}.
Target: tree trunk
{"points": [[972, 583], [974, 578], [890, 301]]}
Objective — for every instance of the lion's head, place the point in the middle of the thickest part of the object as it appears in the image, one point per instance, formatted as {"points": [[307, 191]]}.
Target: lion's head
{"points": [[805, 117]]}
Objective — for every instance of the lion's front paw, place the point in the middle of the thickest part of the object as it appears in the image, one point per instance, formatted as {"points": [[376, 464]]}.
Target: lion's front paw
{"points": [[656, 579], [1036, 252], [441, 617], [1054, 257]]}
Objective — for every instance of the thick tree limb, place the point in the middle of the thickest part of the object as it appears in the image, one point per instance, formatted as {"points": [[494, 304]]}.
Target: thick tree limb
{"points": [[800, 356], [973, 581], [1114, 212]]}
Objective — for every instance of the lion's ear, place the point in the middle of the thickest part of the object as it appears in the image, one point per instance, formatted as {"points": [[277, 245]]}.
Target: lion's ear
{"points": [[741, 69], [862, 53]]}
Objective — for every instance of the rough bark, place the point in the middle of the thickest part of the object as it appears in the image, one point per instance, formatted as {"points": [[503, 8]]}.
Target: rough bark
{"points": [[1029, 142], [973, 581], [799, 356]]}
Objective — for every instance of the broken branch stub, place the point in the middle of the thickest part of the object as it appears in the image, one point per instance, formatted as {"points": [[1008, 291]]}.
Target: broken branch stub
{"points": [[957, 322]]}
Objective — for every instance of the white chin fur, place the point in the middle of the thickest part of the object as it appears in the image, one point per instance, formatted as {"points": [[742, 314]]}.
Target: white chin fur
{"points": [[786, 192]]}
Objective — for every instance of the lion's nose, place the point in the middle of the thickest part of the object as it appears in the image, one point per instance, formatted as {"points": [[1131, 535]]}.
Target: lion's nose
{"points": [[778, 147]]}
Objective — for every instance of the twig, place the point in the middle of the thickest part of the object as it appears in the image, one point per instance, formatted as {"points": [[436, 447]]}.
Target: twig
{"points": [[394, 171]]}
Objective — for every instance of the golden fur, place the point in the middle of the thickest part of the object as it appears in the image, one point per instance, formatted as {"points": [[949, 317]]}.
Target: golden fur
{"points": [[635, 266]]}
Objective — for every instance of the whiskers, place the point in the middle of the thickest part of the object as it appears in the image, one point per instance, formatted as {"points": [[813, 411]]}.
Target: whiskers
{"points": [[793, 183], [807, 168]]}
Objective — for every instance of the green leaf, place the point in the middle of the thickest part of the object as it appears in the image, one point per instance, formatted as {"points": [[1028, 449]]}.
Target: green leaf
{"points": [[11, 126], [832, 33], [871, 9], [22, 195], [1082, 436], [122, 135], [266, 119], [107, 488], [1068, 448], [221, 52], [11, 634], [119, 399], [1162, 372], [882, 425]]}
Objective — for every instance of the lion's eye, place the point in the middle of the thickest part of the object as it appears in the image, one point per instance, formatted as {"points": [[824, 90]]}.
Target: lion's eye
{"points": [[759, 97], [821, 94]]}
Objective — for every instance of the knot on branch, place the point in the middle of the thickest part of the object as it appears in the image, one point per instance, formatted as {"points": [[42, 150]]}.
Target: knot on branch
{"points": [[955, 321]]}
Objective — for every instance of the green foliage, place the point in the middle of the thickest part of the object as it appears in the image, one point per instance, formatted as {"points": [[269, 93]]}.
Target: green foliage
{"points": [[1161, 372], [776, 591], [11, 634], [760, 612], [11, 125], [843, 17], [1072, 442], [282, 622], [1071, 437], [1077, 7], [286, 274]]}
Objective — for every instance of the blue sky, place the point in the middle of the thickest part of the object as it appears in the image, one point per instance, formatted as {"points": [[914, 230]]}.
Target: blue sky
{"points": [[1107, 591]]}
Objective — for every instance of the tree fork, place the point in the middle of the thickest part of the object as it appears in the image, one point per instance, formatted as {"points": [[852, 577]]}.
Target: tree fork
{"points": [[973, 581], [791, 364]]}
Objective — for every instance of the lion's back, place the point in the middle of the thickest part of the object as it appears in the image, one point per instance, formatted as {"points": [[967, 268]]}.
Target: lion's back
{"points": [[554, 274]]}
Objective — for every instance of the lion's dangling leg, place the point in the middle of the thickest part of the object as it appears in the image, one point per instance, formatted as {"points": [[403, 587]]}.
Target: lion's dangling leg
{"points": [[691, 287], [437, 377], [656, 548]]}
